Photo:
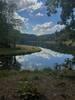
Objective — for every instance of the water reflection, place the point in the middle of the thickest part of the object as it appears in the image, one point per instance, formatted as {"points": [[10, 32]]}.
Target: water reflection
{"points": [[43, 59], [9, 62]]}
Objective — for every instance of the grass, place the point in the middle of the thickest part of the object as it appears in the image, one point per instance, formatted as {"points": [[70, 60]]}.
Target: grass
{"points": [[70, 52], [36, 85], [67, 51], [72, 45], [19, 50]]}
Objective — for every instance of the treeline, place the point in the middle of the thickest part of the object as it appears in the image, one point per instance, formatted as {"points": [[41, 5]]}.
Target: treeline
{"points": [[8, 34]]}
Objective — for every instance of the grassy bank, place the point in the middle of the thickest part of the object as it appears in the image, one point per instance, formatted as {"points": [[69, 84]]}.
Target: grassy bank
{"points": [[37, 85], [19, 50]]}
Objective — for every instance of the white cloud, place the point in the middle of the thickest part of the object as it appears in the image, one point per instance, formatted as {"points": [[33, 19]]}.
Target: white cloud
{"points": [[17, 16], [39, 14], [21, 22], [27, 4], [47, 28], [36, 5], [44, 26], [32, 5], [57, 28]]}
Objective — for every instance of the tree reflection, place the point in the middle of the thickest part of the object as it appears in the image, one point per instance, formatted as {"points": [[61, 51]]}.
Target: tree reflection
{"points": [[9, 62]]}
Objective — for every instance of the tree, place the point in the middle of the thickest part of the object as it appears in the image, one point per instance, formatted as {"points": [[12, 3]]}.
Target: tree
{"points": [[13, 37], [7, 32], [68, 64], [57, 67], [67, 12]]}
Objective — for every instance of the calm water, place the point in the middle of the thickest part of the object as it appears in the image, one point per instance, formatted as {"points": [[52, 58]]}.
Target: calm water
{"points": [[43, 59]]}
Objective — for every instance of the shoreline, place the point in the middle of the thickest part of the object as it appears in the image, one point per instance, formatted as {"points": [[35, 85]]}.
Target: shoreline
{"points": [[19, 50]]}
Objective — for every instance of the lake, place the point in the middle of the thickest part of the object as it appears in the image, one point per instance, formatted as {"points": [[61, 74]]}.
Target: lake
{"points": [[45, 58]]}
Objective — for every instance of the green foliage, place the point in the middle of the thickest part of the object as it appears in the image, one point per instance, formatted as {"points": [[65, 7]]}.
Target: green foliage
{"points": [[8, 35], [67, 8], [7, 73], [58, 40], [29, 89]]}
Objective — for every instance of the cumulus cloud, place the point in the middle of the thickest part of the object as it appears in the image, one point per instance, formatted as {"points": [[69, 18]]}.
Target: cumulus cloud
{"points": [[17, 16], [21, 22], [39, 14], [57, 28], [47, 28], [44, 26], [31, 6], [27, 4]]}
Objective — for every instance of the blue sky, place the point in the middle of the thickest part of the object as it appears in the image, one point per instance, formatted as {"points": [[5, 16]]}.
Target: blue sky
{"points": [[33, 14]]}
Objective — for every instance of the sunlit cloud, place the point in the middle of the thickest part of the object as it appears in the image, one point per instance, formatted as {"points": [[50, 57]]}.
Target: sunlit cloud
{"points": [[27, 4], [47, 28], [21, 22], [36, 21], [39, 14]]}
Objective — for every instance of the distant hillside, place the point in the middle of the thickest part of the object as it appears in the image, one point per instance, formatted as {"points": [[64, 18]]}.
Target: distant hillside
{"points": [[47, 37], [58, 41], [27, 39]]}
